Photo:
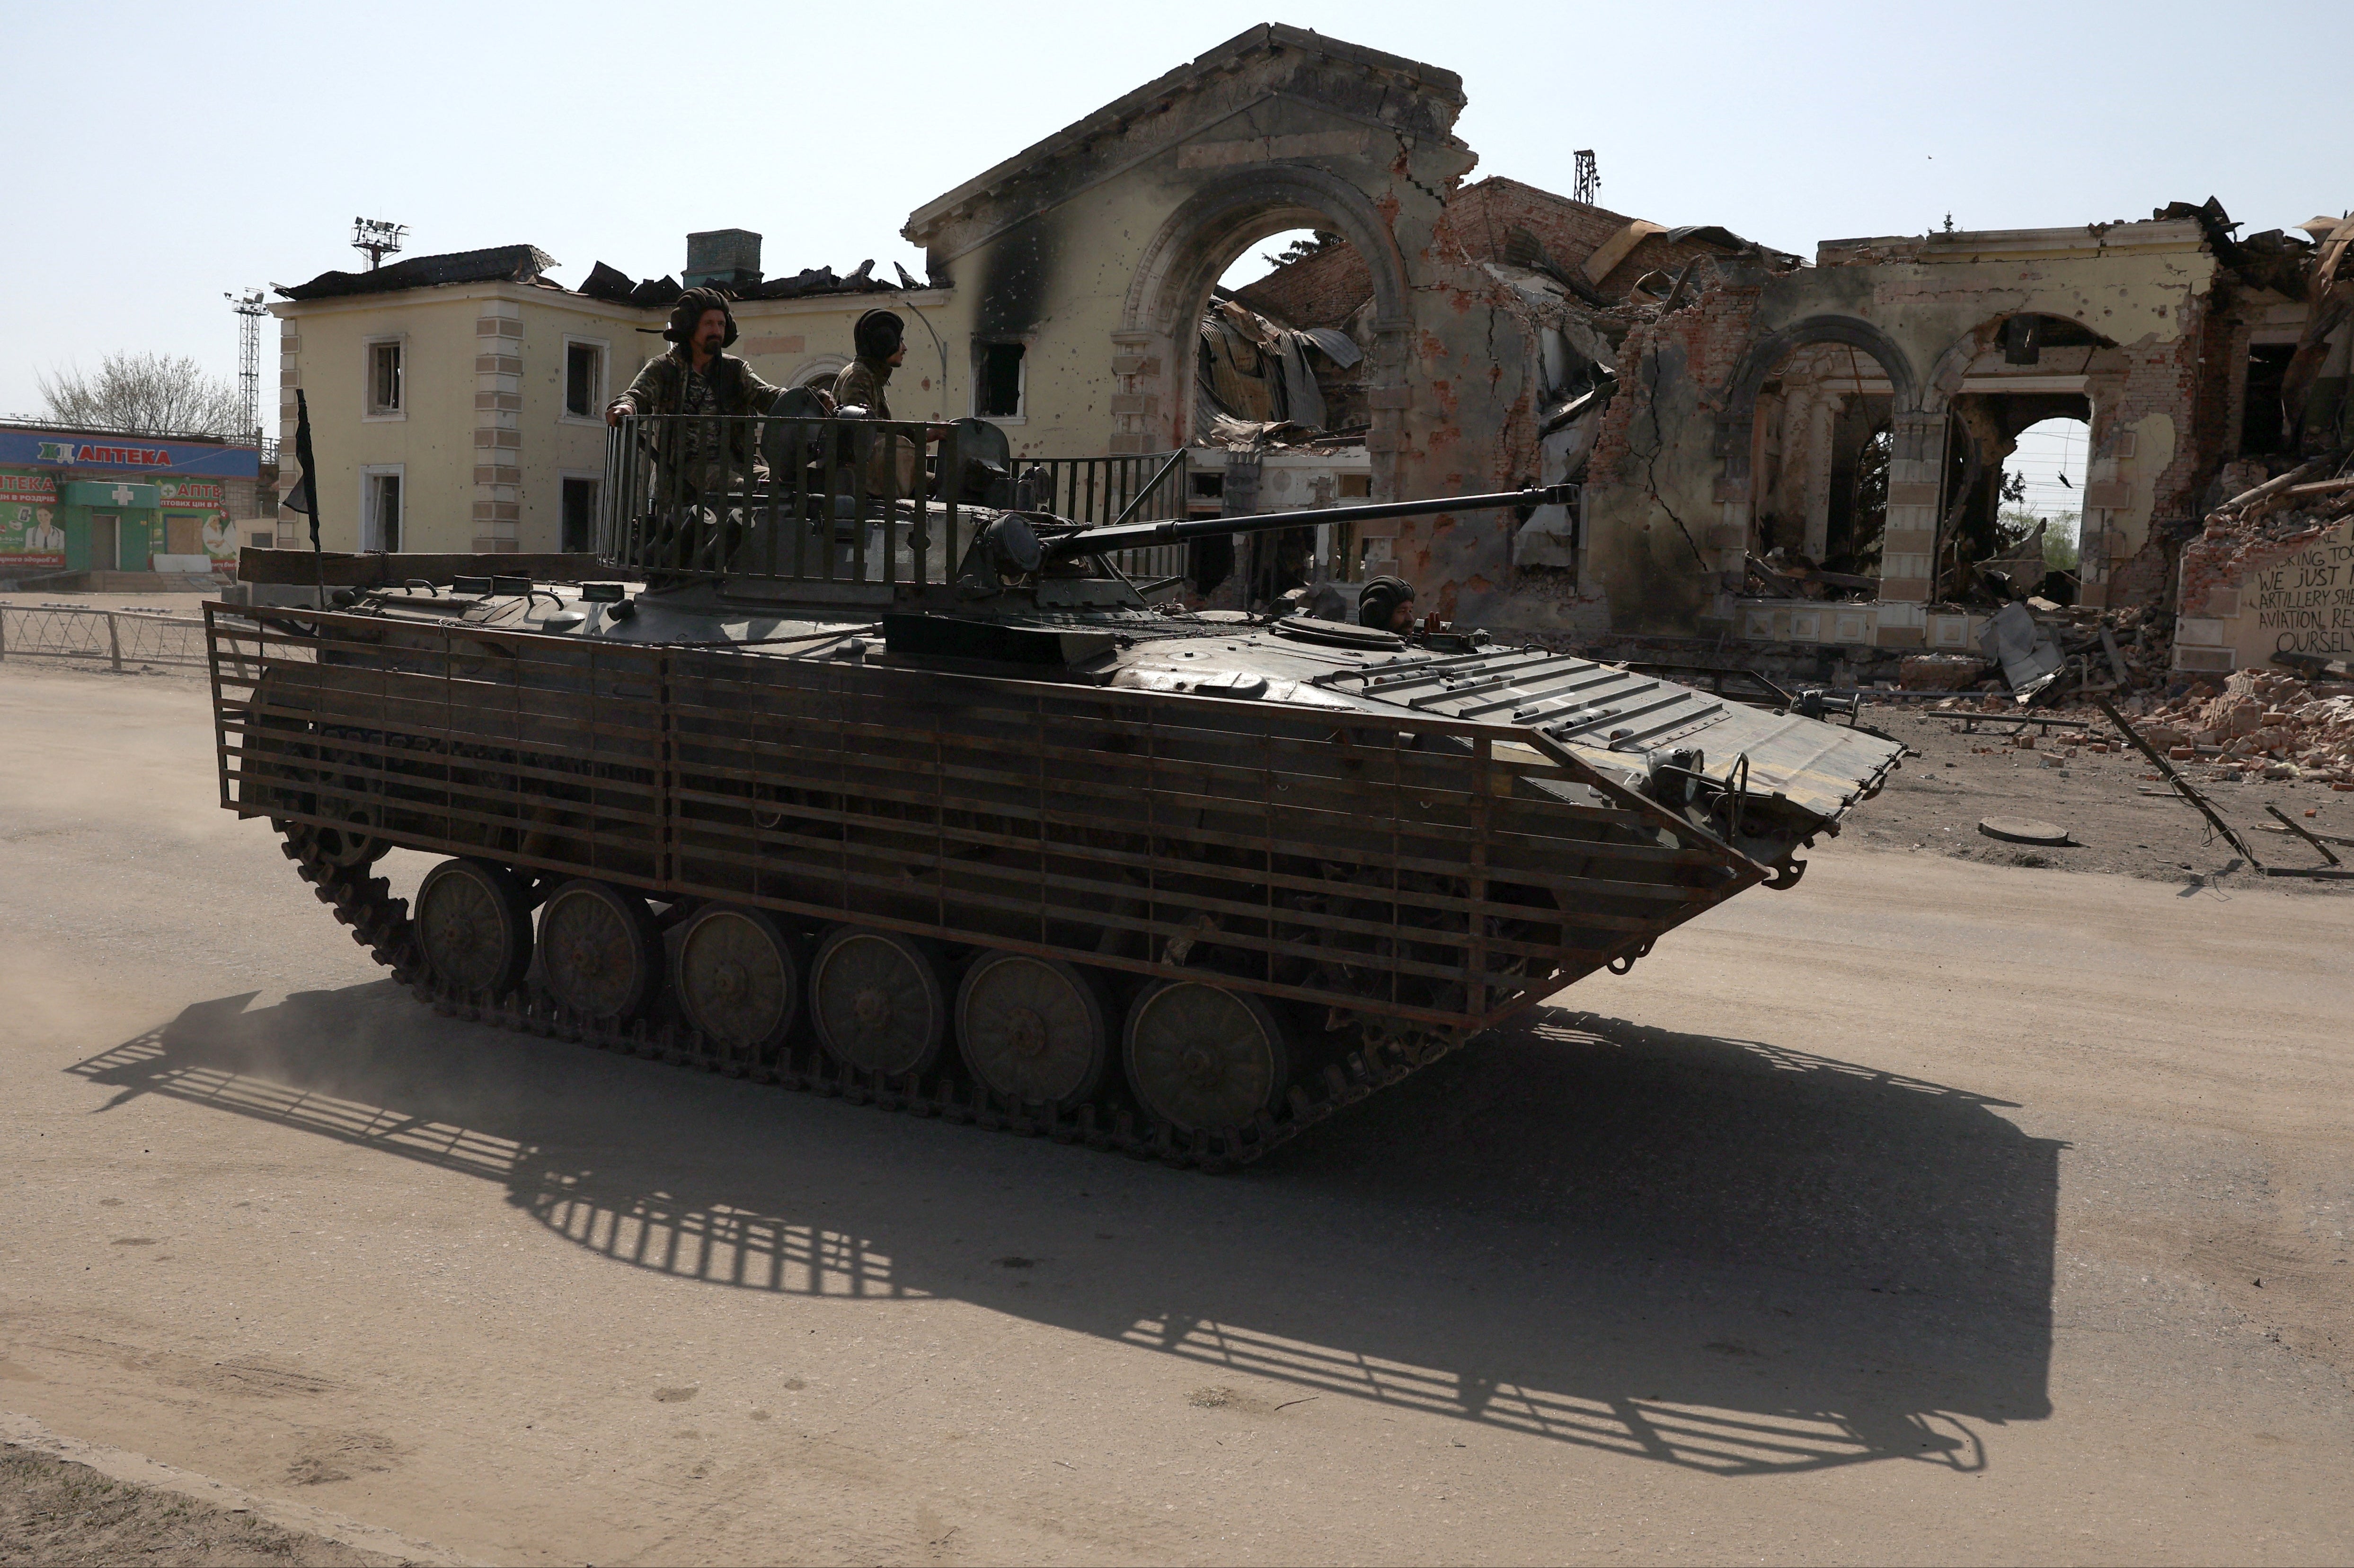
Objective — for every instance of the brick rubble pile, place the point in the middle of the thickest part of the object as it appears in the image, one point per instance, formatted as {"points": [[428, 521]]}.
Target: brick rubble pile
{"points": [[2266, 720], [2267, 524]]}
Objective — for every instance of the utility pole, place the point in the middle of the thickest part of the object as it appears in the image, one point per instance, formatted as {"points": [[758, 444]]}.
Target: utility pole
{"points": [[250, 309], [377, 238], [1588, 177]]}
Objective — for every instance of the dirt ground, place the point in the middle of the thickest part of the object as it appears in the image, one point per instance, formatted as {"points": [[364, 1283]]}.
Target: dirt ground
{"points": [[55, 1513], [1935, 803], [1931, 1212]]}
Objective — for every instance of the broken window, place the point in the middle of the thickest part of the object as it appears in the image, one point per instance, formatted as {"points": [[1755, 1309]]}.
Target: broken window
{"points": [[381, 516], [384, 378], [584, 379], [579, 515], [2263, 427], [1002, 381]]}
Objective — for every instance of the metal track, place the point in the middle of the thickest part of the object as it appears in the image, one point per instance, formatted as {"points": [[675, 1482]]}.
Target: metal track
{"points": [[379, 923]]}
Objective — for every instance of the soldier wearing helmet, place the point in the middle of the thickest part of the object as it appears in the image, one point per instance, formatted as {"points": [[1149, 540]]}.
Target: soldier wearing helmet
{"points": [[1386, 604], [697, 378], [881, 340]]}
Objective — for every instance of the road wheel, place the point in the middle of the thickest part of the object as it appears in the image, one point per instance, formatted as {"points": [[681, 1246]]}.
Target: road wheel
{"points": [[738, 978], [473, 920], [350, 845], [1204, 1058], [1032, 1029], [876, 1001], [599, 951]]}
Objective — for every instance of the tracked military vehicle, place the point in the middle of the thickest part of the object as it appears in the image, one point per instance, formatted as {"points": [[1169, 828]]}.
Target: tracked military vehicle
{"points": [[906, 785]]}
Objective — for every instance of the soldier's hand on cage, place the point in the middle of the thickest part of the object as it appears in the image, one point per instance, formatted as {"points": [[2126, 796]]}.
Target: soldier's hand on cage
{"points": [[615, 410]]}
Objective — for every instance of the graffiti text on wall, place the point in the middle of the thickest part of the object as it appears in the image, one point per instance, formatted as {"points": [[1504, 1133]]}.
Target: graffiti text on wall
{"points": [[2306, 604]]}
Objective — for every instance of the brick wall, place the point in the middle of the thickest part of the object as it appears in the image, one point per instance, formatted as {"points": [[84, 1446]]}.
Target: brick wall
{"points": [[1326, 288], [2160, 378], [1481, 218], [1654, 253], [1323, 290]]}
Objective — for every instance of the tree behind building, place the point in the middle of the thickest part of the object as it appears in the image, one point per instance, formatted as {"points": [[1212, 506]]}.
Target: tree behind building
{"points": [[156, 394]]}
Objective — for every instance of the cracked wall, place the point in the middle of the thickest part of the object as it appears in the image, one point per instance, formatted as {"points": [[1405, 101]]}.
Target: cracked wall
{"points": [[1675, 501], [1116, 228]]}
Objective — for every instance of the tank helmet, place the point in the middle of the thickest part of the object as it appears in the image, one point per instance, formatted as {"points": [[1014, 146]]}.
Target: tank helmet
{"points": [[687, 314], [879, 333], [1377, 605]]}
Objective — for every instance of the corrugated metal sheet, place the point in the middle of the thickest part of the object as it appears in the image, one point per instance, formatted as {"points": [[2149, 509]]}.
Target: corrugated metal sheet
{"points": [[1613, 717]]}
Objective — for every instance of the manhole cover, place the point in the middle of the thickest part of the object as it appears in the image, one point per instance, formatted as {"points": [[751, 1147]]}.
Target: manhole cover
{"points": [[2024, 831]]}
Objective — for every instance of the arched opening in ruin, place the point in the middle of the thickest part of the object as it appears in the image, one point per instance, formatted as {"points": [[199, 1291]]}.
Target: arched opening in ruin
{"points": [[1274, 252], [1267, 385], [2015, 375], [1813, 421], [2041, 498]]}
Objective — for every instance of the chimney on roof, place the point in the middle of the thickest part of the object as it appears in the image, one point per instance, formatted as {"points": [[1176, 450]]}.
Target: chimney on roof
{"points": [[729, 258]]}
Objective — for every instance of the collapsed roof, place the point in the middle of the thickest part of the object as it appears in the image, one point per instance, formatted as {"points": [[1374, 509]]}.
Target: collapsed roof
{"points": [[610, 284], [529, 264], [499, 264]]}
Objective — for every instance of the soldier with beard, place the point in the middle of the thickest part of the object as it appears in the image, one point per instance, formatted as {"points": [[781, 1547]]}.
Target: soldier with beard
{"points": [[698, 380]]}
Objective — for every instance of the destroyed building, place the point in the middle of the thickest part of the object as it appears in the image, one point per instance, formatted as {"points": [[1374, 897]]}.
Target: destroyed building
{"points": [[1771, 448]]}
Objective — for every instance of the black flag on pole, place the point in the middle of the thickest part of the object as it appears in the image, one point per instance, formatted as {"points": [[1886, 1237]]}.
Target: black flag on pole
{"points": [[304, 496]]}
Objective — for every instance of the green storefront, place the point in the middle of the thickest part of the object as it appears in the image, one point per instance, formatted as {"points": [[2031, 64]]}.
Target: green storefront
{"points": [[79, 501], [110, 525], [105, 524]]}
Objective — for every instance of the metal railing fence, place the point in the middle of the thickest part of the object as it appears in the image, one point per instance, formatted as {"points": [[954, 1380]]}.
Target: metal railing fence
{"points": [[873, 502], [1330, 857], [814, 500], [1145, 487], [122, 638]]}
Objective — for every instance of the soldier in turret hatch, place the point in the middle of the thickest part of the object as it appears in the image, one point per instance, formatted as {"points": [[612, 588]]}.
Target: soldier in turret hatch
{"points": [[1386, 604], [881, 340], [697, 378]]}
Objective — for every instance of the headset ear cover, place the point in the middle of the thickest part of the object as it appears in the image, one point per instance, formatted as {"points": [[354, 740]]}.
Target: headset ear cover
{"points": [[1379, 600], [877, 334], [689, 309]]}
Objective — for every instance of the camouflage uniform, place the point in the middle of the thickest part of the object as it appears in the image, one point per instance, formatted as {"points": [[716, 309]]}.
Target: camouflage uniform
{"points": [[669, 385], [860, 384]]}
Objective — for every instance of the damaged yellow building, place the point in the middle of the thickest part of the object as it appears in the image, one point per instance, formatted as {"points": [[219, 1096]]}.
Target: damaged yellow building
{"points": [[1768, 447]]}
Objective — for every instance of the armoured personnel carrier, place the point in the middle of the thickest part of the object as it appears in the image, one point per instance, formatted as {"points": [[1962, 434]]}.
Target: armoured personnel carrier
{"points": [[899, 784]]}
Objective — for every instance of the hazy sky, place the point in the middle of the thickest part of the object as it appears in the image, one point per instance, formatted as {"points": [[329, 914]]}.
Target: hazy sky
{"points": [[165, 154]]}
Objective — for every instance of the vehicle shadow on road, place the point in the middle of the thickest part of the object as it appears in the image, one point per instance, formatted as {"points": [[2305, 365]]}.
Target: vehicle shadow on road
{"points": [[1717, 1254]]}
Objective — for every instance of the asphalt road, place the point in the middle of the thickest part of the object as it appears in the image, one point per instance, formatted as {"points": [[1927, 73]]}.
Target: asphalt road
{"points": [[1932, 1211]]}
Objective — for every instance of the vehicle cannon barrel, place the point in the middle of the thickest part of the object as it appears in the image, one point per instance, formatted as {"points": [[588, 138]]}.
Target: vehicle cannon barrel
{"points": [[1173, 531]]}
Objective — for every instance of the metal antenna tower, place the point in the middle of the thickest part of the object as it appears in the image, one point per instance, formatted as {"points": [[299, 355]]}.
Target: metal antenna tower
{"points": [[377, 238], [1588, 177], [250, 309]]}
